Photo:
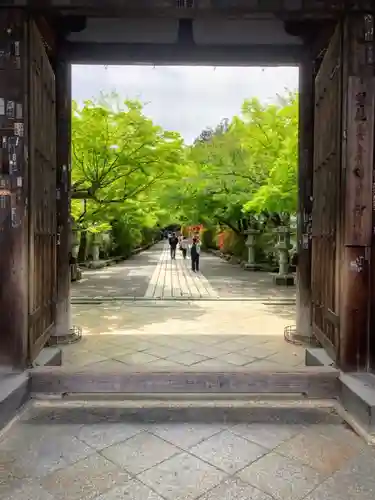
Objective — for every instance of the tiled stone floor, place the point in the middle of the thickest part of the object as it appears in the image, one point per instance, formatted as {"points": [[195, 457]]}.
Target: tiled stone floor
{"points": [[129, 451], [207, 331], [183, 352]]}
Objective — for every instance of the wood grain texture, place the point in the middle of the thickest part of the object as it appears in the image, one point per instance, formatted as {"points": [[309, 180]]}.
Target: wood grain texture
{"points": [[14, 190], [354, 316], [360, 152], [42, 194], [357, 168], [305, 192], [327, 195]]}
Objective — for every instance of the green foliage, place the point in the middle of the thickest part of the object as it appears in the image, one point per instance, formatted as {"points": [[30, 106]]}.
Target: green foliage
{"points": [[208, 238], [132, 178], [243, 169], [278, 191], [121, 162]]}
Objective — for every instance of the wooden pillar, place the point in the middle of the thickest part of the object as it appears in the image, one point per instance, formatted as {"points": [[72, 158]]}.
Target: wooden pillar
{"points": [[63, 117], [13, 191], [305, 185], [357, 186]]}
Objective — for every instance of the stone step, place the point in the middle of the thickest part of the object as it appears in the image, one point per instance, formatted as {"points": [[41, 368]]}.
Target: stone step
{"points": [[317, 356], [14, 393], [317, 382], [357, 396]]}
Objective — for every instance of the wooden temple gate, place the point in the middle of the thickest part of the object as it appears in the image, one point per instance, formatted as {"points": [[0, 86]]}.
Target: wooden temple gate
{"points": [[337, 143], [342, 221], [28, 205], [326, 196], [42, 193]]}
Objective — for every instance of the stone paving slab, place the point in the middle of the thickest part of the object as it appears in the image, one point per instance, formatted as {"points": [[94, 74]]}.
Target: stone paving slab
{"points": [[129, 278], [182, 352], [232, 281], [79, 451], [174, 278], [180, 322], [152, 274]]}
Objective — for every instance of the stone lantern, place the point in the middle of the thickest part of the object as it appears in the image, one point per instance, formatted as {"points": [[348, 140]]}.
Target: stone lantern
{"points": [[95, 246], [251, 265], [76, 239], [283, 246]]}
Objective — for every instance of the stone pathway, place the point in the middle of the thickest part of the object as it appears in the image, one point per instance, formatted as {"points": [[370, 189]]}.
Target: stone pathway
{"points": [[180, 321], [196, 451], [174, 278], [128, 279], [186, 450]]}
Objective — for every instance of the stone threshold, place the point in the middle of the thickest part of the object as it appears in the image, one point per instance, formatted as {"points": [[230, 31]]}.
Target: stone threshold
{"points": [[320, 382], [352, 396], [103, 298]]}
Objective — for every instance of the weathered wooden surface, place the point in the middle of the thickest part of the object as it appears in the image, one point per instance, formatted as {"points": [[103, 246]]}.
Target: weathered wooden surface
{"points": [[13, 191], [63, 116], [319, 382], [358, 161], [305, 191], [42, 198], [152, 53], [360, 151], [184, 7], [355, 297], [326, 196]]}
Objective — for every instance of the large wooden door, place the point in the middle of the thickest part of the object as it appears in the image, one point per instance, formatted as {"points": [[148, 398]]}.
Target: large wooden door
{"points": [[42, 194], [326, 213]]}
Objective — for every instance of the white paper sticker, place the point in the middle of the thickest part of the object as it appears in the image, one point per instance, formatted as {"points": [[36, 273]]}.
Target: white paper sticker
{"points": [[18, 129], [19, 182], [11, 110], [14, 217]]}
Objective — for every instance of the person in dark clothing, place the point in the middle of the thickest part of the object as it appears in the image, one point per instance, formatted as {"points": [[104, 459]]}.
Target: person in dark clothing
{"points": [[173, 242], [194, 253]]}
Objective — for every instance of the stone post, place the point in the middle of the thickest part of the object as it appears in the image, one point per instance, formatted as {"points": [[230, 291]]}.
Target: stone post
{"points": [[74, 249], [95, 245], [283, 278], [251, 244], [76, 237]]}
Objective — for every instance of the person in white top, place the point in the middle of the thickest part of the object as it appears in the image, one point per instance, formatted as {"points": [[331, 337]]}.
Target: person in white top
{"points": [[184, 244]]}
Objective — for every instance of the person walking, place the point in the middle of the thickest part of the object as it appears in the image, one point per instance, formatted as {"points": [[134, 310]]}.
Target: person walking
{"points": [[184, 243], [195, 251], [173, 242]]}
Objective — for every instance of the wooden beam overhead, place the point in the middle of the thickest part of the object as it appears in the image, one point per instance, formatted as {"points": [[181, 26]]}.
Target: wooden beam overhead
{"points": [[167, 54], [189, 8]]}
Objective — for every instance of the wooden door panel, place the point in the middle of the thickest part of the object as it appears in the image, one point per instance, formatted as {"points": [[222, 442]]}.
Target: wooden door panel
{"points": [[326, 195], [42, 199]]}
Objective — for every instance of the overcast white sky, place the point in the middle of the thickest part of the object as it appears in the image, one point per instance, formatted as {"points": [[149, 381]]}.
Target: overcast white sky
{"points": [[185, 98]]}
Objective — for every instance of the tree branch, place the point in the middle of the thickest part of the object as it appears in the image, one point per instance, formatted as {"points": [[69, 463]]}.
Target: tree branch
{"points": [[228, 224]]}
